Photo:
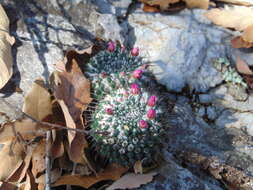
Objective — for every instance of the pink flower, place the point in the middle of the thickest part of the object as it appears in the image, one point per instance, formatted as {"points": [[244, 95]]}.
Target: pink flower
{"points": [[111, 46], [135, 88], [109, 111], [137, 73], [152, 101], [135, 51], [151, 114], [103, 74], [143, 124]]}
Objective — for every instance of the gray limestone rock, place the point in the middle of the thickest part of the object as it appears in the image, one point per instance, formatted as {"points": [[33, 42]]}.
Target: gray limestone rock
{"points": [[181, 47], [211, 112], [43, 30], [221, 97], [115, 7]]}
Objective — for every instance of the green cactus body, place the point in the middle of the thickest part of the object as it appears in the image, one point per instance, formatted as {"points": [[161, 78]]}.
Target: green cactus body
{"points": [[132, 133], [112, 62], [129, 120]]}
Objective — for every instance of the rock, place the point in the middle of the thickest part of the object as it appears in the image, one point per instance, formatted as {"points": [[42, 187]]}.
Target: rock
{"points": [[201, 111], [239, 120], [238, 92], [211, 112], [221, 97], [173, 176], [43, 30], [115, 7], [205, 98], [181, 46]]}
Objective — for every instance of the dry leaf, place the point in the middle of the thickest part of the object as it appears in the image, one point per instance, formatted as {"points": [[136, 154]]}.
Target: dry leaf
{"points": [[41, 186], [238, 42], [7, 186], [238, 18], [5, 49], [249, 81], [237, 2], [30, 182], [38, 101], [150, 9], [132, 180], [11, 156], [38, 158], [55, 175], [18, 175], [112, 172], [163, 4], [243, 67], [247, 34], [26, 128], [73, 95], [57, 147], [138, 169], [202, 4]]}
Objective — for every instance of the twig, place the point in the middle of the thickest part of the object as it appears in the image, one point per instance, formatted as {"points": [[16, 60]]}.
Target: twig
{"points": [[48, 162], [53, 126], [228, 175]]}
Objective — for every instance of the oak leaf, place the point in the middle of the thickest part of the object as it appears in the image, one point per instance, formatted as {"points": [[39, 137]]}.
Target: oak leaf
{"points": [[203, 4], [163, 4], [6, 41], [7, 186], [21, 172], [30, 182], [72, 91], [238, 42], [237, 2], [131, 180], [112, 172], [247, 34], [238, 18], [37, 102], [24, 127], [11, 156], [38, 158], [242, 67]]}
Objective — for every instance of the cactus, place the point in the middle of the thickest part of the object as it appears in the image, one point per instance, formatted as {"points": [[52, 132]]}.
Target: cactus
{"points": [[129, 122], [134, 121], [229, 74], [114, 60]]}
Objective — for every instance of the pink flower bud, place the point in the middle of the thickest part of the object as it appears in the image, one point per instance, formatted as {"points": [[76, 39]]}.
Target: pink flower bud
{"points": [[103, 74], [152, 101], [122, 73], [109, 111], [137, 73], [135, 88], [151, 114], [123, 48], [135, 51], [143, 124], [111, 46], [126, 94]]}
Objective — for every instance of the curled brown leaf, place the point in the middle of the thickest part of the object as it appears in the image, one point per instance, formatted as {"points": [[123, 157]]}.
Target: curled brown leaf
{"points": [[72, 91], [112, 172], [242, 67], [5, 49], [131, 180]]}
